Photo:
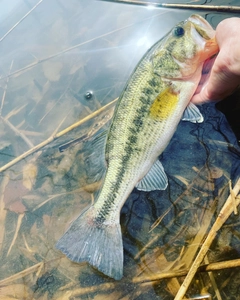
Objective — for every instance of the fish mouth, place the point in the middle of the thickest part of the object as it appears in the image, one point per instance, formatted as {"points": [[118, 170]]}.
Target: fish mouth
{"points": [[203, 28], [205, 35]]}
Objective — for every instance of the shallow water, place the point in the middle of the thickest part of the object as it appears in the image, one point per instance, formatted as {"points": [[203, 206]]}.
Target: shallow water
{"points": [[60, 64]]}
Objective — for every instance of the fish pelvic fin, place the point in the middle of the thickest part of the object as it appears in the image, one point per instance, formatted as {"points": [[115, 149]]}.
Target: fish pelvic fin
{"points": [[97, 243]]}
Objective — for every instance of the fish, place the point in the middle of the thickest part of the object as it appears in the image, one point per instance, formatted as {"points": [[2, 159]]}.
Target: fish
{"points": [[154, 100]]}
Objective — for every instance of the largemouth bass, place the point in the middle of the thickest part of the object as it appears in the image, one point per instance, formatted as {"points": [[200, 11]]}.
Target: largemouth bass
{"points": [[154, 100]]}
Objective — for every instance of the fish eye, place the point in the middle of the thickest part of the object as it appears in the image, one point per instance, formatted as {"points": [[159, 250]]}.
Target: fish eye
{"points": [[178, 31]]}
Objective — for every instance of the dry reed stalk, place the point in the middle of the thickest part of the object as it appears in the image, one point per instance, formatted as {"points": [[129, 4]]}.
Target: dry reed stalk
{"points": [[213, 281], [56, 102], [225, 212], [17, 132], [3, 211], [173, 285], [24, 17], [88, 188], [54, 137], [191, 251], [21, 274], [5, 90], [233, 198], [19, 222], [235, 263], [14, 112], [85, 290], [108, 286], [60, 124]]}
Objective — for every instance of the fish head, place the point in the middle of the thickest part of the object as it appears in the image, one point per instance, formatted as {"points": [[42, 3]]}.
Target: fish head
{"points": [[203, 35], [185, 48]]}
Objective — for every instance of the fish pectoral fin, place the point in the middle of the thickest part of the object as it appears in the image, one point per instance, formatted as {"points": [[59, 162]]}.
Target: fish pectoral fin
{"points": [[155, 179], [192, 114]]}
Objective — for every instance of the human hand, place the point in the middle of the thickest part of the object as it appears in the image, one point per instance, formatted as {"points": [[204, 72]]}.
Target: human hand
{"points": [[224, 77]]}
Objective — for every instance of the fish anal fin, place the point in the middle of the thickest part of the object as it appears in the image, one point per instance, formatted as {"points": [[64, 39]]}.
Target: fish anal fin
{"points": [[155, 179], [192, 114], [98, 244]]}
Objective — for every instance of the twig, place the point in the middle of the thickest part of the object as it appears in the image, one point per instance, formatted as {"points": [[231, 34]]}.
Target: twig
{"points": [[19, 222], [90, 187], [56, 102], [24, 17], [54, 137], [189, 255], [21, 274], [225, 212], [14, 112], [219, 8], [3, 211], [233, 196], [61, 122], [98, 124], [213, 281], [235, 263], [17, 132], [206, 268], [5, 89], [86, 290], [31, 133]]}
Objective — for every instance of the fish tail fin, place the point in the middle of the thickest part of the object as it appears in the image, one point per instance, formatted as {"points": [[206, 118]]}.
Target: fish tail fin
{"points": [[97, 243]]}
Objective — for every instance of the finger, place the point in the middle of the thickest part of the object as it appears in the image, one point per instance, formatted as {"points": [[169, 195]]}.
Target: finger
{"points": [[199, 96], [222, 80], [225, 73]]}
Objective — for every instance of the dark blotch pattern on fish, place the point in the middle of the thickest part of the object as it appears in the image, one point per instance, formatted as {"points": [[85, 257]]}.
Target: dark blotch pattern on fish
{"points": [[130, 146]]}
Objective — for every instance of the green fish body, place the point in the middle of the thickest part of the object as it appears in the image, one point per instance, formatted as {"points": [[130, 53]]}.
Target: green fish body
{"points": [[155, 99]]}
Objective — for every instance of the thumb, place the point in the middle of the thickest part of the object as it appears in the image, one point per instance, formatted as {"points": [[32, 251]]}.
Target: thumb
{"points": [[202, 96]]}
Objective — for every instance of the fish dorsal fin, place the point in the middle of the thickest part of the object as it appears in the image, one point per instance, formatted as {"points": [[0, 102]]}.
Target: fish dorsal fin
{"points": [[94, 157], [155, 179], [192, 114]]}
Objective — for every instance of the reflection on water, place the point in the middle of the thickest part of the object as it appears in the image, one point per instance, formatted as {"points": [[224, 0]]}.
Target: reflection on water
{"points": [[65, 54]]}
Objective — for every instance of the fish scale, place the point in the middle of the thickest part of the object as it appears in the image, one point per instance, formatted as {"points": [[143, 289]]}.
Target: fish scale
{"points": [[146, 116]]}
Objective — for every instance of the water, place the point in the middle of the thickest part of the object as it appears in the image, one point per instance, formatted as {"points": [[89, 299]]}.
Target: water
{"points": [[50, 61]]}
